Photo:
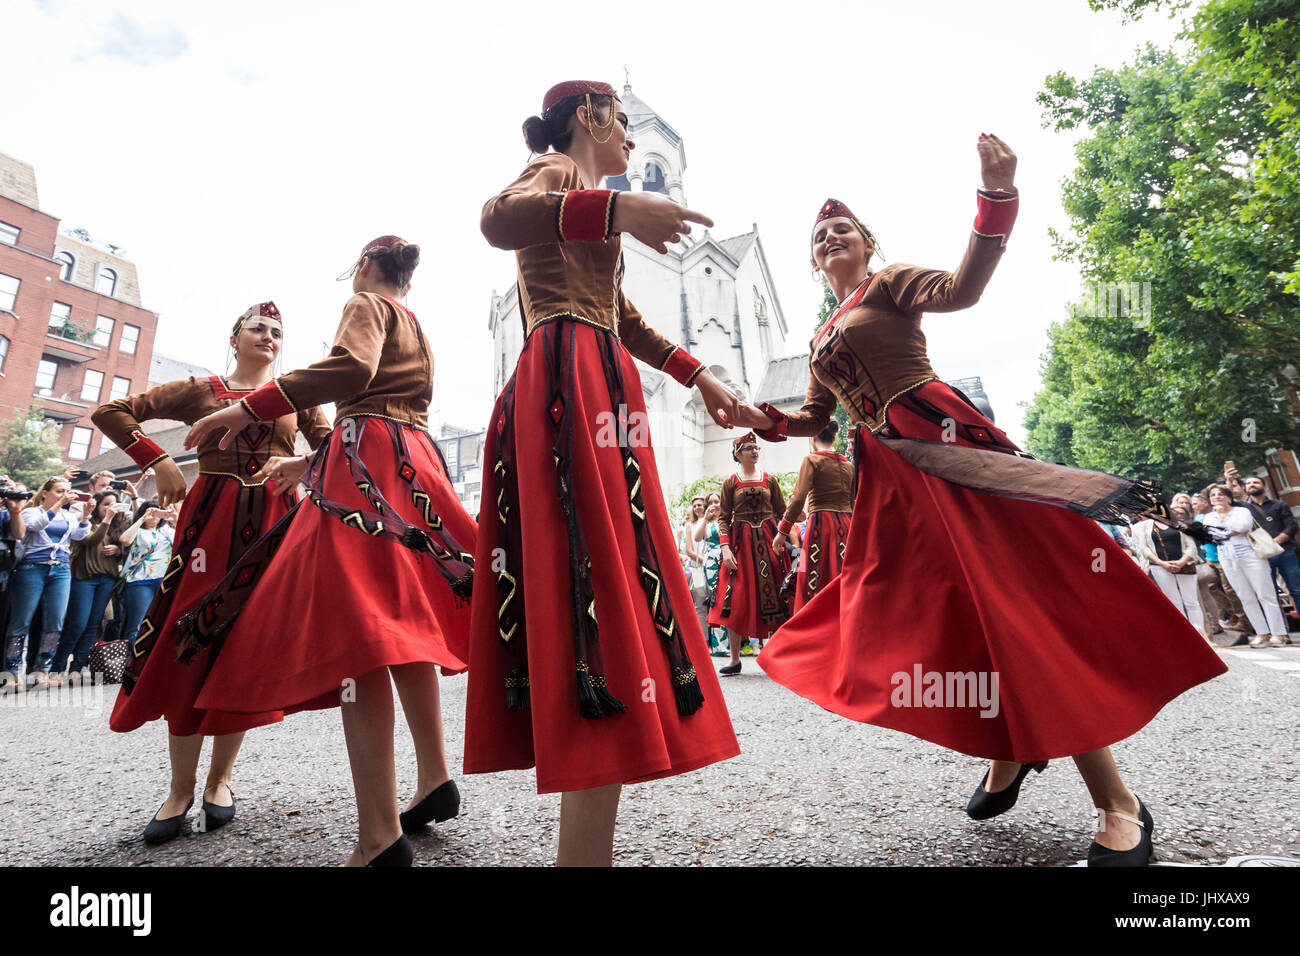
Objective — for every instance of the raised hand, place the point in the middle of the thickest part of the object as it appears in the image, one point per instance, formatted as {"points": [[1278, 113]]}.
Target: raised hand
{"points": [[750, 417], [997, 163], [231, 420], [654, 219]]}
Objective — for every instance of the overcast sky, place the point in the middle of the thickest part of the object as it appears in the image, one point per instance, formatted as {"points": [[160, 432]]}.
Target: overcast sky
{"points": [[240, 151]]}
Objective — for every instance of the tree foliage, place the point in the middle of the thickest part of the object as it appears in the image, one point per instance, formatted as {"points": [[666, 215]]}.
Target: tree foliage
{"points": [[29, 452], [824, 312], [1185, 193]]}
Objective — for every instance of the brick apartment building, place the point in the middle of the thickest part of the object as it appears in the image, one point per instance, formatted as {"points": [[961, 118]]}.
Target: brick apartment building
{"points": [[72, 331]]}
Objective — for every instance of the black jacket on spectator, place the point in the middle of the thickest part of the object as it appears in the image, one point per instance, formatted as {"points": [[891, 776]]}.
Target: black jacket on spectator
{"points": [[1275, 517]]}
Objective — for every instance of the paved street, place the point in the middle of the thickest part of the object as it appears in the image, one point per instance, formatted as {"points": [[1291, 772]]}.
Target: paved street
{"points": [[1218, 768]]}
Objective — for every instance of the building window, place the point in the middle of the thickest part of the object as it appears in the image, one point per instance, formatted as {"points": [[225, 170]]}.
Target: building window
{"points": [[4, 351], [45, 373], [9, 234], [654, 181], [92, 386], [103, 331], [66, 265], [60, 318], [105, 444], [121, 388], [80, 447], [106, 281], [8, 291], [130, 335]]}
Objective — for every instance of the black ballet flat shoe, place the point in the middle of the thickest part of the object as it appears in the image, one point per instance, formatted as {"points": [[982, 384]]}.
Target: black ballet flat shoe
{"points": [[399, 854], [984, 805], [731, 670], [442, 804], [160, 831], [1143, 854], [214, 817]]}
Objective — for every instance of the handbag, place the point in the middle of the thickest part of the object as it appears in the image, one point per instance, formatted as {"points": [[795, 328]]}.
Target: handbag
{"points": [[108, 661], [11, 554], [1262, 543]]}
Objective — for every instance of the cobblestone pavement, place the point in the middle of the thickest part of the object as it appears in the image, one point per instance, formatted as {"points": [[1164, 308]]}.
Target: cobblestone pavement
{"points": [[1218, 768]]}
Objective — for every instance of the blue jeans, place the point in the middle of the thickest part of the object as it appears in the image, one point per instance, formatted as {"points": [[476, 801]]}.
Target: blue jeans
{"points": [[86, 606], [135, 605], [28, 584], [1288, 562]]}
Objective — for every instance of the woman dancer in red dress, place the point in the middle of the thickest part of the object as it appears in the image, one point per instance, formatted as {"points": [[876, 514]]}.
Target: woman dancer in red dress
{"points": [[1003, 660], [586, 658], [749, 603], [228, 508], [825, 483], [345, 604]]}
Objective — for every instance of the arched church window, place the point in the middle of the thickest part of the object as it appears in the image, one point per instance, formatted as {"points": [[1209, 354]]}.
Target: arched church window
{"points": [[654, 179], [617, 182]]}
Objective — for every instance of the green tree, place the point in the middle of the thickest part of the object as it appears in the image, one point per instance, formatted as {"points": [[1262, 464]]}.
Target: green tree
{"points": [[1184, 202], [29, 452], [824, 312]]}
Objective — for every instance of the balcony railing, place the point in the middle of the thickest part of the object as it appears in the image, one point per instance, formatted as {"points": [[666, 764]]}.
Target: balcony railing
{"points": [[71, 332]]}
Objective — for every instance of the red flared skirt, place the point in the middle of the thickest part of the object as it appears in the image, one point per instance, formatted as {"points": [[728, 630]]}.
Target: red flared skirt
{"points": [[650, 738], [748, 600], [951, 597], [219, 518], [334, 603], [825, 537]]}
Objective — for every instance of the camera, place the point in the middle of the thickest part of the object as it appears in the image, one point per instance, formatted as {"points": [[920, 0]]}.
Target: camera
{"points": [[117, 485], [10, 494]]}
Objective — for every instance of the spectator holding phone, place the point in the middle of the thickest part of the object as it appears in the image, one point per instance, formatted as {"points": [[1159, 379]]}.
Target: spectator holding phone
{"points": [[52, 523], [96, 564], [1275, 517], [149, 544]]}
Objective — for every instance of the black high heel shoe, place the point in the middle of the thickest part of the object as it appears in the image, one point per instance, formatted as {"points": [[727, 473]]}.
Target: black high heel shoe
{"points": [[399, 854], [215, 817], [984, 805], [442, 804], [160, 831], [1143, 854]]}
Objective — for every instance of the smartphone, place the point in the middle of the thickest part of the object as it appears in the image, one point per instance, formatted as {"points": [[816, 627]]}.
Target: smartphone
{"points": [[117, 485], [1229, 466], [80, 475], [82, 496]]}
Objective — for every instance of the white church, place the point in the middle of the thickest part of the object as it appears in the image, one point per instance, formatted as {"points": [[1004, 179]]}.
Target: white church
{"points": [[715, 298]]}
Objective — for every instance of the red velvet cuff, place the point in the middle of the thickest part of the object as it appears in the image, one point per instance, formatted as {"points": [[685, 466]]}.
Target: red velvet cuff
{"points": [[780, 429], [682, 366], [784, 527], [586, 215], [996, 214], [268, 402], [724, 539], [143, 452]]}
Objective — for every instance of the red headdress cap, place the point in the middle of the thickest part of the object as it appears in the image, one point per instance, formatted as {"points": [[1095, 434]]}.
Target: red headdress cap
{"points": [[746, 439], [266, 309], [383, 242], [834, 209], [562, 91]]}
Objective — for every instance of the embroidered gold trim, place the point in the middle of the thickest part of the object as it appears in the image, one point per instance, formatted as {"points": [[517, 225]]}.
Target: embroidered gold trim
{"points": [[879, 422]]}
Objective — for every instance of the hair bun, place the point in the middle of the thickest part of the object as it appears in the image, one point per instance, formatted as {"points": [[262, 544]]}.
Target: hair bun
{"points": [[407, 253], [536, 134]]}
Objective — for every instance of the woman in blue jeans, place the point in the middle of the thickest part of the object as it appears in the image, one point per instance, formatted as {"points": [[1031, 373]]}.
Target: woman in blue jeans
{"points": [[43, 577], [96, 564], [149, 544]]}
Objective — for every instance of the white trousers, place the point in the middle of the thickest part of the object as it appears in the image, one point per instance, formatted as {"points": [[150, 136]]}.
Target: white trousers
{"points": [[1252, 578], [1181, 591]]}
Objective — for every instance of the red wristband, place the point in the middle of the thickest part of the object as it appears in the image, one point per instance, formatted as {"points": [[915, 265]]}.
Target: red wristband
{"points": [[585, 215], [780, 424], [144, 452], [996, 214], [724, 539], [682, 366], [268, 402], [784, 527]]}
